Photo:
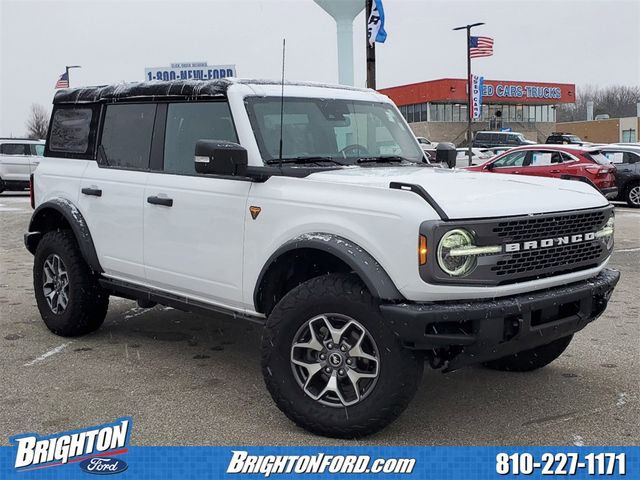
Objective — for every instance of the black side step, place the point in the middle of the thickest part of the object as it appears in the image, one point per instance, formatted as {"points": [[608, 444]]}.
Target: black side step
{"points": [[131, 291], [417, 189]]}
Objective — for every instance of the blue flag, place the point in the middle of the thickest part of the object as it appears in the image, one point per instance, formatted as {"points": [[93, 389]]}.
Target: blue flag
{"points": [[375, 25]]}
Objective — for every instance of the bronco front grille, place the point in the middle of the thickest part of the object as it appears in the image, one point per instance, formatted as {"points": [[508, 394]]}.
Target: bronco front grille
{"points": [[563, 258], [533, 246], [544, 227]]}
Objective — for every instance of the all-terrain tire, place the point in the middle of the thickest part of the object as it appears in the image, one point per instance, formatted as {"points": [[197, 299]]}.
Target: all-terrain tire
{"points": [[533, 359], [87, 301], [399, 374], [632, 195]]}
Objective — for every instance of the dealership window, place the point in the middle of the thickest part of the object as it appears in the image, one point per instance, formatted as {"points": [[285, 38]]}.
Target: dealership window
{"points": [[448, 112], [410, 117], [423, 109], [629, 136], [456, 112], [463, 113]]}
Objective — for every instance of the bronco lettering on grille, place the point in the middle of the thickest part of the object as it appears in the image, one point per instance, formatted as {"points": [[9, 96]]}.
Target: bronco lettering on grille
{"points": [[549, 242]]}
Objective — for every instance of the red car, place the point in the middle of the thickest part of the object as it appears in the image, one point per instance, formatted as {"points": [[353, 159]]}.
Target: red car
{"points": [[561, 161]]}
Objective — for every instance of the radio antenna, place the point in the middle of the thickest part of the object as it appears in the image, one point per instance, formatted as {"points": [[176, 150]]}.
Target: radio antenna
{"points": [[282, 100]]}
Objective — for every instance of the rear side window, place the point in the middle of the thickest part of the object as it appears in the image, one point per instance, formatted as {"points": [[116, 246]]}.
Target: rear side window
{"points": [[14, 149], [71, 130], [189, 122], [597, 157], [126, 136]]}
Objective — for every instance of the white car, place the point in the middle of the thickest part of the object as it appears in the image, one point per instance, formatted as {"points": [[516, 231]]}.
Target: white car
{"points": [[426, 144], [478, 156], [18, 160], [219, 197]]}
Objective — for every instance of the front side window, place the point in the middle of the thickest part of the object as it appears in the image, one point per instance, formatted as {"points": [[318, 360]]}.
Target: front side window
{"points": [[343, 131], [70, 130], [515, 159], [126, 136], [189, 122], [14, 149]]}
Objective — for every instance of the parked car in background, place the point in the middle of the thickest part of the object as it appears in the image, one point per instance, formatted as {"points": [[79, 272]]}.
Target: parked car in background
{"points": [[492, 152], [560, 161], [426, 144], [500, 139], [478, 156], [564, 139], [18, 160], [626, 159]]}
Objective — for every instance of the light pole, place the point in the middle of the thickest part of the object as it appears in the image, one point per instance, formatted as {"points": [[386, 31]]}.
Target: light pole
{"points": [[69, 67], [468, 29]]}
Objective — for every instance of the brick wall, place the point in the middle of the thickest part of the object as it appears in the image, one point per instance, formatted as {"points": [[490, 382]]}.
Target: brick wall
{"points": [[596, 131]]}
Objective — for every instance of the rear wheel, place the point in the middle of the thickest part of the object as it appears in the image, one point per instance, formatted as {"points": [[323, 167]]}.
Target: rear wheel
{"points": [[331, 363], [632, 195], [70, 300], [533, 359]]}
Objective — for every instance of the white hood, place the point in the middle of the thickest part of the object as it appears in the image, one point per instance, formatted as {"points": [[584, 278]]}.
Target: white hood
{"points": [[465, 194]]}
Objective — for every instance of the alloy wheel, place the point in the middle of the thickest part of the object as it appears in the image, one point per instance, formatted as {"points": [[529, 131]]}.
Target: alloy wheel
{"points": [[634, 195], [55, 283], [335, 360]]}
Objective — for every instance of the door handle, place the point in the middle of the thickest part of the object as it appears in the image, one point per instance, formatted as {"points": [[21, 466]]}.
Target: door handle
{"points": [[94, 192], [554, 171], [164, 201]]}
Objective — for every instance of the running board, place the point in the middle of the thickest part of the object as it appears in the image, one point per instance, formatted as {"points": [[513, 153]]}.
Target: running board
{"points": [[131, 291]]}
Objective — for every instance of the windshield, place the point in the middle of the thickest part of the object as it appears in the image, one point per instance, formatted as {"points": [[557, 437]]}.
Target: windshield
{"points": [[340, 131], [573, 138]]}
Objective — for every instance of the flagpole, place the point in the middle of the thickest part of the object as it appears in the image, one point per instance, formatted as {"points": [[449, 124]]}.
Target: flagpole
{"points": [[469, 134], [371, 49]]}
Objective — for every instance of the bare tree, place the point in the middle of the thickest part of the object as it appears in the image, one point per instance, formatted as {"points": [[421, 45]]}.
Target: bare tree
{"points": [[616, 101], [38, 122]]}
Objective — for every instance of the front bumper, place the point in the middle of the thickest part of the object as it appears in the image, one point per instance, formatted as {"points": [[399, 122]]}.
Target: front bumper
{"points": [[479, 331], [610, 193]]}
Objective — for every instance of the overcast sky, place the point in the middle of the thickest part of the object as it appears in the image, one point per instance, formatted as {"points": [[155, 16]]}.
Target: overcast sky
{"points": [[575, 41]]}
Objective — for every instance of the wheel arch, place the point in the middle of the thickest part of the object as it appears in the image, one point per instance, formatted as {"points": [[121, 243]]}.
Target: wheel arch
{"points": [[60, 213], [311, 255]]}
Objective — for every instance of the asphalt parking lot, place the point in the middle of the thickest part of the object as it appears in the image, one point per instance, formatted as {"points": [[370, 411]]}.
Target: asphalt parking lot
{"points": [[191, 380]]}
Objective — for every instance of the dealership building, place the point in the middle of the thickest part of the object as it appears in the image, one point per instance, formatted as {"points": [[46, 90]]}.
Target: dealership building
{"points": [[437, 109]]}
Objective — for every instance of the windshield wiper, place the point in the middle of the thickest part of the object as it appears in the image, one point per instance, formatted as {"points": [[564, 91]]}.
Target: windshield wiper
{"points": [[301, 160], [387, 159]]}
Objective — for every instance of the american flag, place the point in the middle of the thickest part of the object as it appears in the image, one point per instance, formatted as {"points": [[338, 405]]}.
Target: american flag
{"points": [[63, 81], [480, 47]]}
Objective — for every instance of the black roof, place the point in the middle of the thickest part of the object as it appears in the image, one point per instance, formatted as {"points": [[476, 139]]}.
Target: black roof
{"points": [[175, 89]]}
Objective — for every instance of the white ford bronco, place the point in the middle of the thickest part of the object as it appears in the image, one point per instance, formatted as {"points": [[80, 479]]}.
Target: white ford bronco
{"points": [[311, 210]]}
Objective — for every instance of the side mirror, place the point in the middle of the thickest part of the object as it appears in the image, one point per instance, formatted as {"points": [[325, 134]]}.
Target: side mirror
{"points": [[220, 157], [489, 166]]}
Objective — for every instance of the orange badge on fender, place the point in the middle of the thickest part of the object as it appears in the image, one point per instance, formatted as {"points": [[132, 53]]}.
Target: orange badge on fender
{"points": [[255, 211]]}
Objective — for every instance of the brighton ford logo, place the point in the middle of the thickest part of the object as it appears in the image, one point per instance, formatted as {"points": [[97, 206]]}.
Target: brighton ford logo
{"points": [[103, 465], [92, 446]]}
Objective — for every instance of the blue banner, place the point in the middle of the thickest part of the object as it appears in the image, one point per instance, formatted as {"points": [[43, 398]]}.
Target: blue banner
{"points": [[434, 463]]}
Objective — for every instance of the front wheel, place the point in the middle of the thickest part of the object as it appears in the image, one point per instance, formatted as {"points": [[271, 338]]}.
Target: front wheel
{"points": [[531, 359], [331, 363]]}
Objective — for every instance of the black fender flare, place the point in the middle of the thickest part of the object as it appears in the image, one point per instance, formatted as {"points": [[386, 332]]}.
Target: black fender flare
{"points": [[375, 278], [78, 225]]}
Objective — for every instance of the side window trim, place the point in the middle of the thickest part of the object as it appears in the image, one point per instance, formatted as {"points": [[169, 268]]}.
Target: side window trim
{"points": [[156, 160]]}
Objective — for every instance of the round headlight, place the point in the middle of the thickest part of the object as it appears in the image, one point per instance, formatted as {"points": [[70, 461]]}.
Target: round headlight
{"points": [[456, 265]]}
